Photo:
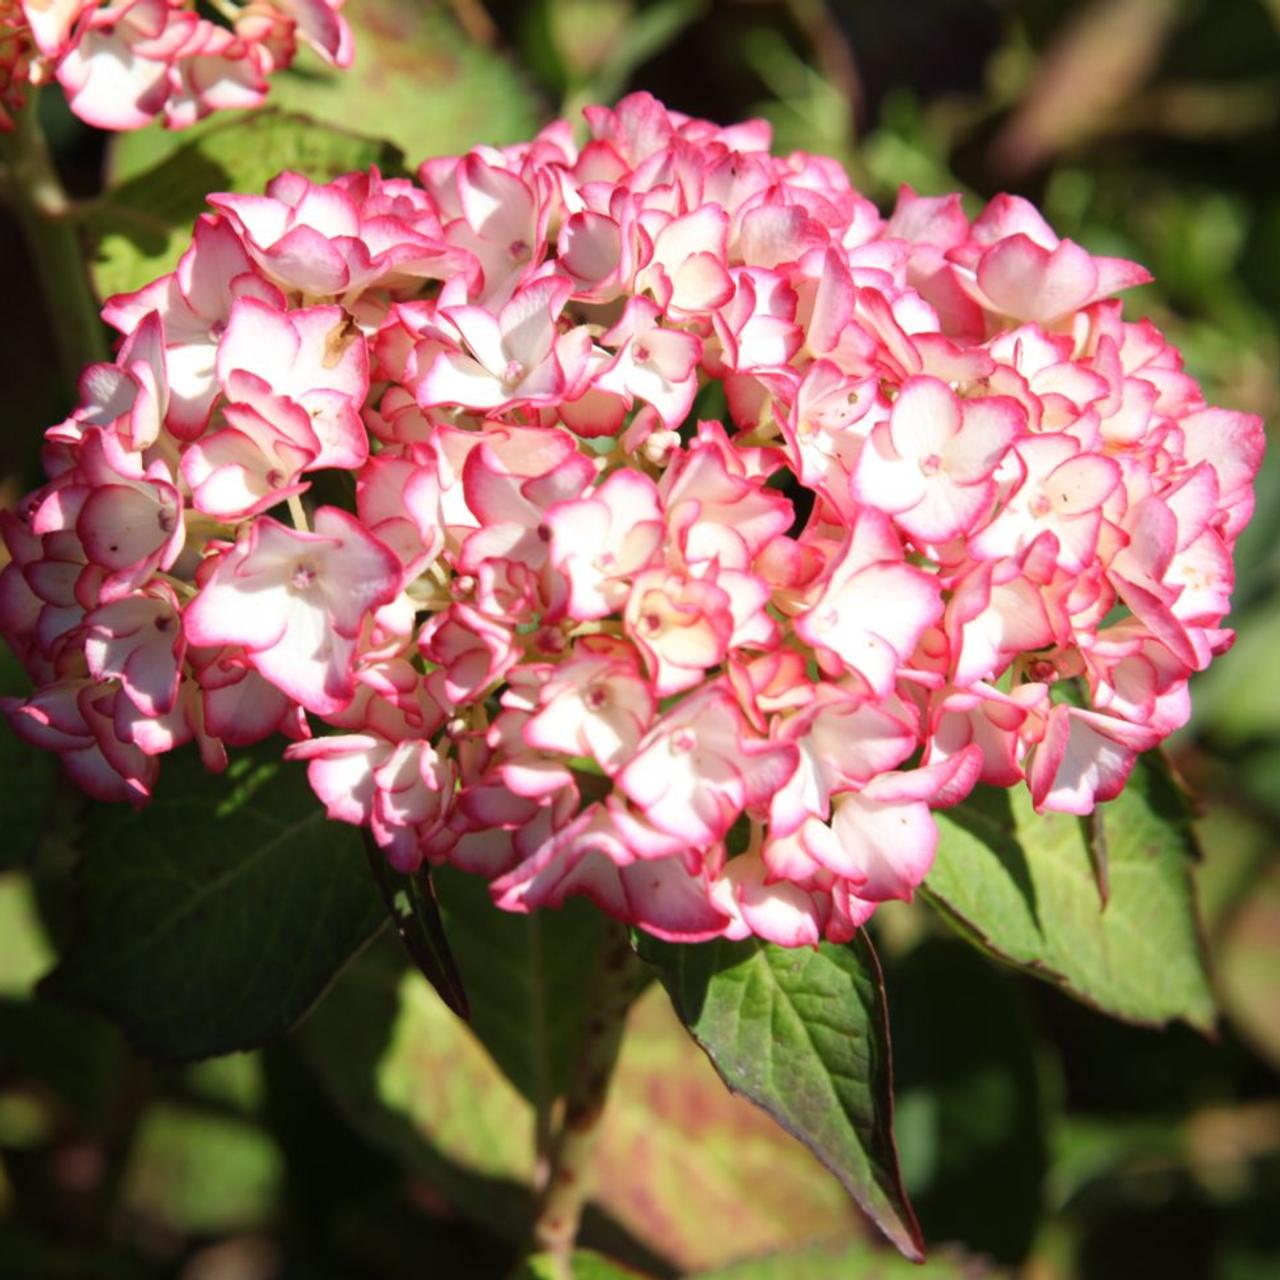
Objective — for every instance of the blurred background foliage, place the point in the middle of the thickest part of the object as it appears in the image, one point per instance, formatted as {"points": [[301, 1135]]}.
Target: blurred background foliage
{"points": [[1038, 1138]]}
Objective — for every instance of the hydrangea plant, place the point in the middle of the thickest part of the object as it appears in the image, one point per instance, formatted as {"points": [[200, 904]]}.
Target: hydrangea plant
{"points": [[646, 519]]}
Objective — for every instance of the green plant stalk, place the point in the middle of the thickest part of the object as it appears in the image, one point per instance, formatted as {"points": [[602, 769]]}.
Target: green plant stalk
{"points": [[33, 190], [617, 978]]}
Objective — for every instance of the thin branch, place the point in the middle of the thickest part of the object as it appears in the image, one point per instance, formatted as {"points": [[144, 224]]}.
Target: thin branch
{"points": [[34, 192], [614, 986]]}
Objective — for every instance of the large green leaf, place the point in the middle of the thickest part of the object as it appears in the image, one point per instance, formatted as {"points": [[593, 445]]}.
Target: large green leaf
{"points": [[849, 1261], [527, 979], [704, 1176], [804, 1034], [969, 1115], [684, 1169], [1021, 885], [823, 1262], [145, 224], [215, 918], [416, 81], [410, 1077]]}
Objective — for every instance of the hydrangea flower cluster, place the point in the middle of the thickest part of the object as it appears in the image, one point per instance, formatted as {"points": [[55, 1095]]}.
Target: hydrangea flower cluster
{"points": [[122, 63], [648, 519]]}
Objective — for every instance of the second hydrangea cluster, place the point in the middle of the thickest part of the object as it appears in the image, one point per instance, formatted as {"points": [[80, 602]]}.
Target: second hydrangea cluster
{"points": [[123, 63], [650, 519]]}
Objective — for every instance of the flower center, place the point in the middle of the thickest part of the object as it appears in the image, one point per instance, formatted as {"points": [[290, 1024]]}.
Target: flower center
{"points": [[931, 465], [303, 576]]}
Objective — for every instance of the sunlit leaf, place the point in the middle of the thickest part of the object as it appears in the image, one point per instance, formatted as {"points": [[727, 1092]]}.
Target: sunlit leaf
{"points": [[585, 1265], [416, 81], [1021, 885], [851, 1261], [803, 1034], [199, 1172], [145, 224], [686, 1170]]}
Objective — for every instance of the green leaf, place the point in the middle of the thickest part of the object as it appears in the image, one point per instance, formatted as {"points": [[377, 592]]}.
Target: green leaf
{"points": [[416, 81], [527, 979], [584, 1265], [411, 903], [705, 1176], [412, 1079], [683, 1168], [26, 953], [198, 1172], [145, 224], [968, 1111], [1021, 886], [848, 1261], [215, 918], [803, 1034]]}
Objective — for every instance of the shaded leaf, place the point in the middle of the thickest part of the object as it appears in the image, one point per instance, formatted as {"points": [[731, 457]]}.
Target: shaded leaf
{"points": [[29, 1254], [527, 978], [803, 1034], [967, 1106], [1021, 885], [214, 919], [412, 1079], [411, 903], [144, 225]]}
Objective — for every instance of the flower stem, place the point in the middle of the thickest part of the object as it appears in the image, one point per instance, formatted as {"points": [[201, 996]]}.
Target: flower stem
{"points": [[613, 987], [44, 211]]}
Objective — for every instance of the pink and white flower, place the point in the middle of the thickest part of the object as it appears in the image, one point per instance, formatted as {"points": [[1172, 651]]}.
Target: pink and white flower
{"points": [[295, 602], [965, 524]]}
